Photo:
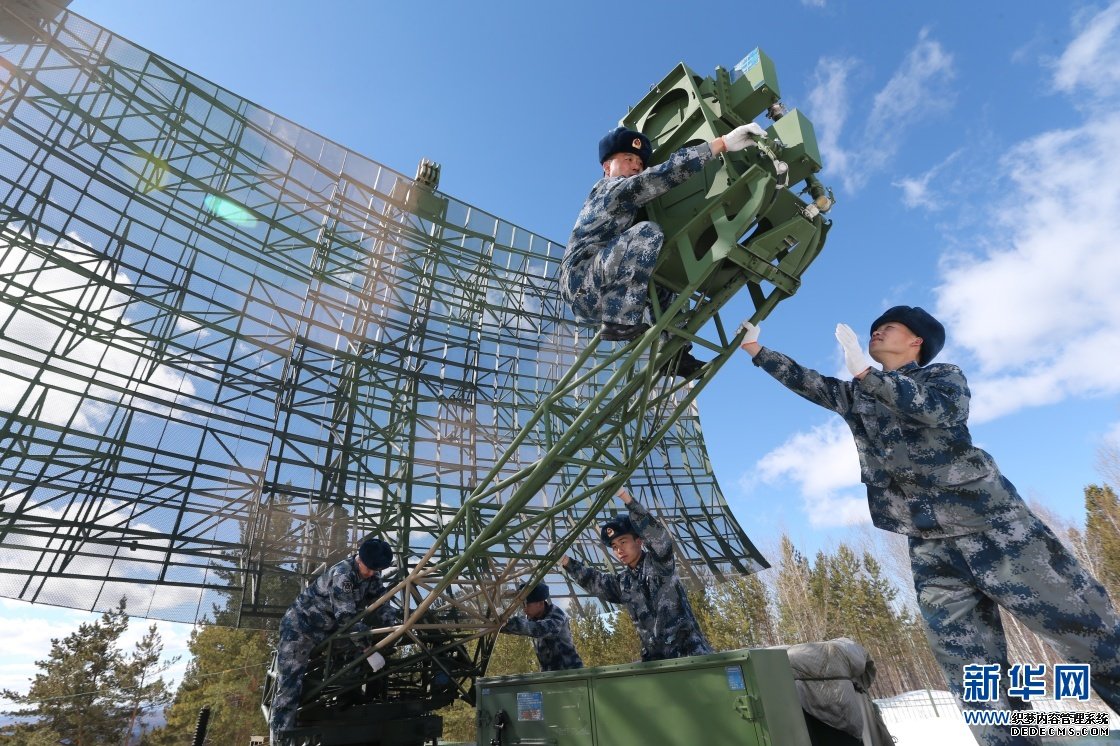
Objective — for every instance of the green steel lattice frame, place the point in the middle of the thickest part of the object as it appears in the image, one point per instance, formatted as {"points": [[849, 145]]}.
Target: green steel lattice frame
{"points": [[232, 349]]}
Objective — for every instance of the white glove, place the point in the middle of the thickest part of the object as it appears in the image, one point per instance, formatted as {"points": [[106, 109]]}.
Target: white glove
{"points": [[854, 358], [376, 661], [751, 332], [742, 137]]}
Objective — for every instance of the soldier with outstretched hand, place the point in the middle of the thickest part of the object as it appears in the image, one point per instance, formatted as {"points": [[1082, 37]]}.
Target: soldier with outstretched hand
{"points": [[336, 597], [548, 625], [607, 265], [648, 585], [975, 546]]}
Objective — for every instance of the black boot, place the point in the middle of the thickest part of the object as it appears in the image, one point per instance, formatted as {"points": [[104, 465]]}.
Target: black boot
{"points": [[683, 365], [611, 332], [688, 366]]}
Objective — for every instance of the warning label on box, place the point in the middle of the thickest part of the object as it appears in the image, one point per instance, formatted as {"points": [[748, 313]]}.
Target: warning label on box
{"points": [[530, 706]]}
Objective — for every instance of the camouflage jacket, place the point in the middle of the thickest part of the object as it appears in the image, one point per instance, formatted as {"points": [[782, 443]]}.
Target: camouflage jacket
{"points": [[924, 477], [336, 597], [651, 592], [552, 638], [613, 204]]}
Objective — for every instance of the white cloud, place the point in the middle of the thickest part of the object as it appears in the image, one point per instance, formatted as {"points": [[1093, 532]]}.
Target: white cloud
{"points": [[829, 101], [27, 631], [824, 465], [1038, 301], [55, 345], [814, 3], [1034, 301], [906, 97], [917, 190], [104, 565], [918, 88], [1092, 60]]}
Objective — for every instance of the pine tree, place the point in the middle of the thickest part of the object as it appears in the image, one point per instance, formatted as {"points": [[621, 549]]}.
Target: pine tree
{"points": [[146, 690], [738, 614], [87, 689], [591, 633], [264, 580], [1102, 534], [842, 596], [226, 673], [749, 595], [881, 632], [799, 617], [624, 645]]}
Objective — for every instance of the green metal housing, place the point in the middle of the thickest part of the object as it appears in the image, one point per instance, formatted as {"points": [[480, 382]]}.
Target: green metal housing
{"points": [[737, 698]]}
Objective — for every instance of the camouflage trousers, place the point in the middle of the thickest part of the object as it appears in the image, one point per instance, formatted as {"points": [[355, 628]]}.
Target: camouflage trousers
{"points": [[293, 651], [1023, 567], [613, 286]]}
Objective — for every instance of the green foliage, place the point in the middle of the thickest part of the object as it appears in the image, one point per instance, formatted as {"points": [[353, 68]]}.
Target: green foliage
{"points": [[592, 634], [226, 673], [1102, 535], [512, 654], [798, 596], [30, 735], [734, 614], [148, 691], [459, 724], [261, 565], [87, 691]]}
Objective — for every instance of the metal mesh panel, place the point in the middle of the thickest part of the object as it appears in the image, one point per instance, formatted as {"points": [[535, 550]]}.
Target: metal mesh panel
{"points": [[232, 348]]}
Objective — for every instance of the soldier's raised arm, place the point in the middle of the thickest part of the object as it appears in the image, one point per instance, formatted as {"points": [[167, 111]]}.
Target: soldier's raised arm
{"points": [[656, 537]]}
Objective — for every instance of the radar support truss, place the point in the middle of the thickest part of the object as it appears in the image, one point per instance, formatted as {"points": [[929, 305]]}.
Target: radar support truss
{"points": [[232, 349]]}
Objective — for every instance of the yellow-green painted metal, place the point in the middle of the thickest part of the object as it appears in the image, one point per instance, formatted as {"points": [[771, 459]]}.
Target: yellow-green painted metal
{"points": [[253, 347], [266, 347], [736, 698], [737, 225], [706, 219]]}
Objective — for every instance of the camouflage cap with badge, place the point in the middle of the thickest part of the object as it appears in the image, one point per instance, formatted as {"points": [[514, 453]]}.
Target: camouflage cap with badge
{"points": [[622, 140], [618, 526]]}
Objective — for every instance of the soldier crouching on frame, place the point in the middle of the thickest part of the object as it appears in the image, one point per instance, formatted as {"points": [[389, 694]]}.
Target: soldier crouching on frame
{"points": [[548, 625], [607, 265], [336, 597], [974, 544], [648, 585]]}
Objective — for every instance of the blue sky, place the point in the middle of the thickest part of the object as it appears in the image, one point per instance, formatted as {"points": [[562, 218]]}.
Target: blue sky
{"points": [[974, 150]]}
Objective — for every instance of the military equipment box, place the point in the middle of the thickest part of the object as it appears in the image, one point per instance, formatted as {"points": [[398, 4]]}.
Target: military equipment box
{"points": [[737, 698]]}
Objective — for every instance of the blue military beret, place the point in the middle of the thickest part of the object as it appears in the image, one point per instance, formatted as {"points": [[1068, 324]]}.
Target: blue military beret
{"points": [[376, 554], [539, 593], [618, 526], [622, 140], [921, 323]]}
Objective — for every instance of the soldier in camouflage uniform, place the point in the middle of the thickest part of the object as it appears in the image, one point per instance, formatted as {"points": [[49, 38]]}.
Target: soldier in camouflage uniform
{"points": [[974, 544], [609, 260], [548, 625], [648, 585], [336, 597]]}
